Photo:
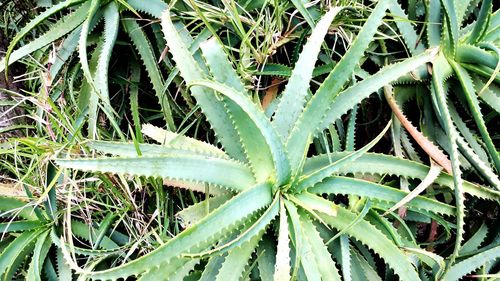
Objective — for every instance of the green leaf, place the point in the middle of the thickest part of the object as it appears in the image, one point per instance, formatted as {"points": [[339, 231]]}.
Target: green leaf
{"points": [[361, 90], [82, 43], [319, 175], [324, 261], [266, 260], [473, 103], [32, 24], [40, 252], [452, 25], [440, 67], [16, 252], [175, 167], [350, 186], [376, 241], [12, 207], [211, 106], [252, 140], [234, 264], [61, 28], [220, 66], [151, 150], [373, 163], [282, 268], [310, 119], [482, 22], [406, 29], [154, 8], [145, 50], [468, 265], [209, 230], [18, 226], [111, 20], [270, 139], [294, 96], [475, 241], [299, 4]]}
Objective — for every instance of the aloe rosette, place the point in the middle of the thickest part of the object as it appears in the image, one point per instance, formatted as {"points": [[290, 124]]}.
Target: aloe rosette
{"points": [[266, 203]]}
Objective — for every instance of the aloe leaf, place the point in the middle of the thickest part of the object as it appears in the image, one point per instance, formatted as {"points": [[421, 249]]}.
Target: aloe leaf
{"points": [[266, 259], [252, 140], [171, 139], [319, 175], [368, 272], [372, 163], [280, 164], [406, 29], [319, 105], [89, 233], [61, 28], [470, 96], [310, 203], [294, 96], [212, 268], [452, 25], [152, 7], [111, 19], [345, 258], [432, 150], [234, 264], [40, 252], [13, 255], [145, 50], [82, 43], [299, 4], [490, 95], [220, 66], [175, 167], [67, 48], [308, 263], [12, 207], [376, 241], [194, 213], [18, 226], [440, 66], [350, 186], [433, 22], [176, 270], [483, 167], [324, 261], [64, 271], [32, 24], [436, 262], [475, 241], [257, 228], [468, 265], [208, 231], [475, 55], [99, 84], [282, 269], [355, 94], [482, 21], [213, 109], [150, 150], [426, 182]]}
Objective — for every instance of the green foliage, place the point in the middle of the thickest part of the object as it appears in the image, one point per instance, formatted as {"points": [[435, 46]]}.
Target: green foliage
{"points": [[262, 190]]}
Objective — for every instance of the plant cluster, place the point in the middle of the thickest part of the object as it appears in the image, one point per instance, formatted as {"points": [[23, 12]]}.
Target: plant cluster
{"points": [[229, 140]]}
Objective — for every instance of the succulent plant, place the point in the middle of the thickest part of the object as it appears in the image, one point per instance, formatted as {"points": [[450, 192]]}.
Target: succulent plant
{"points": [[267, 202]]}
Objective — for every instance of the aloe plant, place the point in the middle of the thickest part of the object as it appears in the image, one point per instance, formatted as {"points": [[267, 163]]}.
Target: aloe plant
{"points": [[263, 185], [467, 65], [76, 27]]}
